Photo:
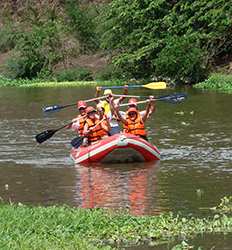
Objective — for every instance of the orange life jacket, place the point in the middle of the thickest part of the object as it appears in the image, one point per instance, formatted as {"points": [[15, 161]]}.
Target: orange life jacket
{"points": [[135, 127], [81, 125], [97, 133], [80, 128]]}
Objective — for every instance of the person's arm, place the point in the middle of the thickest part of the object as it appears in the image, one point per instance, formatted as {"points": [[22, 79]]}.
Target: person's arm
{"points": [[125, 92], [150, 107], [105, 124], [97, 94], [116, 111], [75, 125], [86, 129], [100, 111]]}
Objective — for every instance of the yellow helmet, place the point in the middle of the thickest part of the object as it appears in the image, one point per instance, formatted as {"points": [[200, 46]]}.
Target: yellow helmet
{"points": [[107, 92]]}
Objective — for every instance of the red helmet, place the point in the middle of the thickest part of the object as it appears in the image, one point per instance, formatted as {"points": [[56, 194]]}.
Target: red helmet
{"points": [[132, 101], [90, 109], [81, 104]]}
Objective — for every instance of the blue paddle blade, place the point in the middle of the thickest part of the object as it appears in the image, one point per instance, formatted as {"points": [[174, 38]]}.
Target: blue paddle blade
{"points": [[51, 108], [77, 142], [175, 98]]}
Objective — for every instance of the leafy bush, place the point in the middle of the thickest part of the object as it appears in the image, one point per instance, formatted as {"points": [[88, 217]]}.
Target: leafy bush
{"points": [[149, 37], [75, 74], [181, 59], [217, 82], [110, 72], [81, 23], [38, 49], [7, 38]]}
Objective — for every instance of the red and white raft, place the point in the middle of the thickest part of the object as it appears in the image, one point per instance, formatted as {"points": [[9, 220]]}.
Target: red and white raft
{"points": [[119, 148]]}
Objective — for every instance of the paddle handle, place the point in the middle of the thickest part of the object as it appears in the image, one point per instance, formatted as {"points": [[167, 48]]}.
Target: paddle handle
{"points": [[140, 102], [59, 107], [121, 87], [129, 96], [174, 99]]}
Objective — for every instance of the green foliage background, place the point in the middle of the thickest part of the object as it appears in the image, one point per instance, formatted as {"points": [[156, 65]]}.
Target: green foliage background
{"points": [[179, 41], [176, 39]]}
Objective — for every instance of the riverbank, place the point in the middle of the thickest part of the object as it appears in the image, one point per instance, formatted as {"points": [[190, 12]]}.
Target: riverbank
{"points": [[218, 82], [54, 227], [5, 82]]}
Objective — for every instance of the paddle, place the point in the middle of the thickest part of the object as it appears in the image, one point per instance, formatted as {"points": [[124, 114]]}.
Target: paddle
{"points": [[173, 98], [152, 85], [77, 141], [59, 107], [45, 135]]}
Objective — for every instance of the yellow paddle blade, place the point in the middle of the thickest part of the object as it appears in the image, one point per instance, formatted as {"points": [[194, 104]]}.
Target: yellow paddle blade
{"points": [[156, 85]]}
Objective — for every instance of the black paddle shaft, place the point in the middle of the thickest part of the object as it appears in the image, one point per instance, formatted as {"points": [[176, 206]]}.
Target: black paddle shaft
{"points": [[77, 141], [45, 135]]}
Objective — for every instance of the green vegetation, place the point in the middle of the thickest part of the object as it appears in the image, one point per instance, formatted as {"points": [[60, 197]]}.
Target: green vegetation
{"points": [[178, 41], [80, 74], [6, 82], [175, 39], [225, 206], [220, 82], [24, 227]]}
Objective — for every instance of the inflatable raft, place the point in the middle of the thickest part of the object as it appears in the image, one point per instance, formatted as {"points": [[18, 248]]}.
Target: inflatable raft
{"points": [[119, 148]]}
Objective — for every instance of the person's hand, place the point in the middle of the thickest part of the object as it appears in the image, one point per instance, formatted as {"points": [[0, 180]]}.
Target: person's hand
{"points": [[110, 98], [125, 89], [68, 126], [75, 120], [87, 132], [151, 99], [125, 86], [99, 106], [98, 88]]}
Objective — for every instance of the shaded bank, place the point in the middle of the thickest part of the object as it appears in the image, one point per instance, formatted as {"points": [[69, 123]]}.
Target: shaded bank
{"points": [[65, 227]]}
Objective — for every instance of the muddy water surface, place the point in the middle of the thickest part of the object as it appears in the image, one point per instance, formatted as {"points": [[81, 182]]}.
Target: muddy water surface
{"points": [[195, 139]]}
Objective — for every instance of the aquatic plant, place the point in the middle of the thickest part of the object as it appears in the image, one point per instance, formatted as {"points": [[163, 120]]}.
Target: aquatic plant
{"points": [[218, 82], [6, 82], [65, 227], [225, 206]]}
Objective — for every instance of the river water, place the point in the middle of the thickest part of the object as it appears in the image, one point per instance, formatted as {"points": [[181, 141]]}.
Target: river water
{"points": [[194, 137]]}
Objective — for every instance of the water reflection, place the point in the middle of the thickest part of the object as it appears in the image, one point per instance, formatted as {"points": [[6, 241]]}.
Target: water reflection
{"points": [[119, 186]]}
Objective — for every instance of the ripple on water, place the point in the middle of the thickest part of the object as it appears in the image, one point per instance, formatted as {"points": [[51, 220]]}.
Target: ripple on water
{"points": [[18, 143]]}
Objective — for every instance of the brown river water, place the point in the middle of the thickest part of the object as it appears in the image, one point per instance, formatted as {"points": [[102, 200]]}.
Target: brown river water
{"points": [[194, 137]]}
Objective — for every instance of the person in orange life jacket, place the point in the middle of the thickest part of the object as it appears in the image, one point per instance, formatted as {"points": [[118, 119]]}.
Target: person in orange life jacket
{"points": [[115, 129], [93, 130], [101, 114], [133, 122], [79, 121]]}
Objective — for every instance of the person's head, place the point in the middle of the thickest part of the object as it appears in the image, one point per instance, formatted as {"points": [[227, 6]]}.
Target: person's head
{"points": [[100, 107], [132, 103], [107, 92], [81, 105], [91, 112], [132, 113]]}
